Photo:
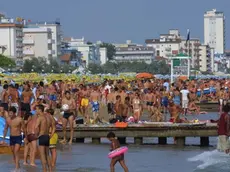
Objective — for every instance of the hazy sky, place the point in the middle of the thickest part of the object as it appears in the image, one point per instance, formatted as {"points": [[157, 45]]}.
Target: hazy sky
{"points": [[119, 20]]}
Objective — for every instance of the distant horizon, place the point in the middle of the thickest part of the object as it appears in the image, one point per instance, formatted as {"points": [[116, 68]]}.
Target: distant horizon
{"points": [[118, 21]]}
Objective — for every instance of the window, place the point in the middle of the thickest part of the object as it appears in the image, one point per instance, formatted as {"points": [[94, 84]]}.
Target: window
{"points": [[158, 53]]}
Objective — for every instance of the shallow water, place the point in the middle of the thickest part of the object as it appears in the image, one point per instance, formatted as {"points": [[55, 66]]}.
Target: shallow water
{"points": [[144, 158]]}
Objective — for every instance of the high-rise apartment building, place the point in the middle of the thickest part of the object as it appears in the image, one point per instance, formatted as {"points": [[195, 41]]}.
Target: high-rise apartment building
{"points": [[37, 43], [11, 37], [56, 35], [214, 30]]}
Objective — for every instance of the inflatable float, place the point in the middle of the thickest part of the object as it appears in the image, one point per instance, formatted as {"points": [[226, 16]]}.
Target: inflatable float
{"points": [[118, 151], [2, 126]]}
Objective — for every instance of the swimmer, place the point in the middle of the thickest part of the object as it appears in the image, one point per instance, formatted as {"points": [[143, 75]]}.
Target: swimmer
{"points": [[114, 145]]}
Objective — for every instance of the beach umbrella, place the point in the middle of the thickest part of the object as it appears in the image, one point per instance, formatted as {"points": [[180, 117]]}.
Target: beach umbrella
{"points": [[144, 75], [183, 78]]}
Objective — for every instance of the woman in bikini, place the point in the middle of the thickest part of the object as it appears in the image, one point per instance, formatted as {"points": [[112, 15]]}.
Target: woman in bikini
{"points": [[137, 108]]}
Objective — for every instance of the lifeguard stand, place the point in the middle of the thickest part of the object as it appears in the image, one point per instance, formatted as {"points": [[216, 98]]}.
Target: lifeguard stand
{"points": [[180, 66]]}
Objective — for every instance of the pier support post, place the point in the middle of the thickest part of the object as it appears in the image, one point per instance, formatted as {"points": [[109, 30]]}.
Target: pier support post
{"points": [[96, 140], [204, 141], [80, 140], [138, 140], [162, 140], [122, 140], [180, 141]]}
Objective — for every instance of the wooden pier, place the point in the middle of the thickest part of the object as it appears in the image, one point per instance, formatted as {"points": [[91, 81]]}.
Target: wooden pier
{"points": [[137, 131], [209, 107]]}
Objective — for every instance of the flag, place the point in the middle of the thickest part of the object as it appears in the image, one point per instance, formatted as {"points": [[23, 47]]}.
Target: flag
{"points": [[29, 21], [188, 36]]}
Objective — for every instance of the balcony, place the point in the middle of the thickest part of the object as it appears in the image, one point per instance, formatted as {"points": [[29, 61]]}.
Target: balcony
{"points": [[196, 44], [28, 52], [51, 41], [167, 49], [186, 44], [51, 52], [196, 49], [19, 45], [28, 41]]}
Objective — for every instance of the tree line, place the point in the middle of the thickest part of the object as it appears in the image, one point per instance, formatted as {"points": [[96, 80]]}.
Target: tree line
{"points": [[156, 67]]}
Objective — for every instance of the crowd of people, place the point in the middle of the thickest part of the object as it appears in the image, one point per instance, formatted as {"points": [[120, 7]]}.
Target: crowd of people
{"points": [[35, 108]]}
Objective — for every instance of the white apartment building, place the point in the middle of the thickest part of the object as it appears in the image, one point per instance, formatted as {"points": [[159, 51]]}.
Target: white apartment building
{"points": [[135, 54], [173, 43], [206, 60], [128, 43], [11, 38], [37, 43], [191, 48], [214, 30], [56, 35], [167, 45], [90, 52]]}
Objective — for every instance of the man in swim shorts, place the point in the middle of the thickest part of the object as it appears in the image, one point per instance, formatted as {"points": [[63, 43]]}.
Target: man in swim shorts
{"points": [[5, 98], [95, 98], [31, 140], [68, 116], [26, 97], [84, 103], [53, 138], [52, 92], [223, 130], [43, 125], [16, 125]]}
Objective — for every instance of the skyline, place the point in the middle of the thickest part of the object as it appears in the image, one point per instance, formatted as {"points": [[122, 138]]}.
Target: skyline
{"points": [[118, 21]]}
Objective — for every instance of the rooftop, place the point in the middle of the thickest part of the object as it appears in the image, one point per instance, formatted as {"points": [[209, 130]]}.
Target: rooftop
{"points": [[56, 22], [135, 48], [157, 41], [65, 57], [36, 30]]}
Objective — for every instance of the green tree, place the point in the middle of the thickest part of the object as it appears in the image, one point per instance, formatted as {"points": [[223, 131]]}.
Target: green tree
{"points": [[54, 66], [156, 67], [6, 61], [111, 50], [95, 69]]}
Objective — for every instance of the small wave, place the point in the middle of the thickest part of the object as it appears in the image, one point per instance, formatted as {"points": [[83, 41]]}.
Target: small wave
{"points": [[211, 158]]}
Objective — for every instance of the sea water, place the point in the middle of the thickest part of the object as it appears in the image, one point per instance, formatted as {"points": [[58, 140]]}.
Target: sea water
{"points": [[143, 158]]}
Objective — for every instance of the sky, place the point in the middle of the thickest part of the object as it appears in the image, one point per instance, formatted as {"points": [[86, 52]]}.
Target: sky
{"points": [[119, 20]]}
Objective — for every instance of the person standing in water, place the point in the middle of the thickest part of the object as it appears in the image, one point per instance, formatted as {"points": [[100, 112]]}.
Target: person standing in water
{"points": [[223, 130], [42, 126], [68, 116], [53, 138], [120, 158], [31, 138], [16, 125]]}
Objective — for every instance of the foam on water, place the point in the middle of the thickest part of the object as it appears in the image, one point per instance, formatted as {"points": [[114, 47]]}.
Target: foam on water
{"points": [[211, 158]]}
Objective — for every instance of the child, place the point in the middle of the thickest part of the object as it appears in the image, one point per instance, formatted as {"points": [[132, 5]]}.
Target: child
{"points": [[114, 145]]}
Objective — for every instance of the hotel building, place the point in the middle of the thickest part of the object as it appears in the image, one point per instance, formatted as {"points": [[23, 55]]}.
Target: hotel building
{"points": [[214, 30], [11, 39], [37, 43]]}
